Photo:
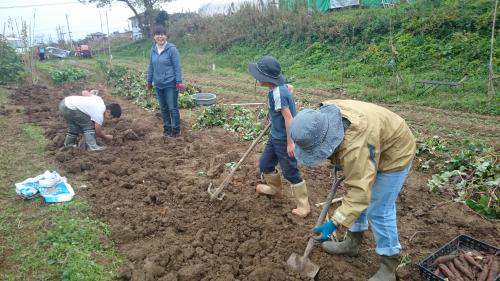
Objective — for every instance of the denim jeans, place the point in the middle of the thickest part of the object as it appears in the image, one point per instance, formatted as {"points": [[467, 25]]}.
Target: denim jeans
{"points": [[381, 213], [76, 121], [275, 152], [168, 100]]}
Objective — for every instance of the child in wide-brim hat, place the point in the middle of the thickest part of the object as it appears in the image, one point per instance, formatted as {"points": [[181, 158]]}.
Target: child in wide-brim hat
{"points": [[280, 148]]}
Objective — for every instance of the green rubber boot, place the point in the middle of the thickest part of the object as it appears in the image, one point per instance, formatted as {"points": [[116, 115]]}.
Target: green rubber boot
{"points": [[349, 247], [91, 142], [387, 270], [70, 140]]}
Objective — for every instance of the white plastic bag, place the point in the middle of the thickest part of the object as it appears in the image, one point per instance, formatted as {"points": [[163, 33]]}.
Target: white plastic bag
{"points": [[50, 185]]}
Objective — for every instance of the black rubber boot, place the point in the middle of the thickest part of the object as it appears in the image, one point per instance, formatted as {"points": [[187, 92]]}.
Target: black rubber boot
{"points": [[349, 247]]}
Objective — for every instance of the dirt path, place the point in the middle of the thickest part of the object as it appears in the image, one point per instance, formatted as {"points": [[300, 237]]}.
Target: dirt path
{"points": [[153, 194]]}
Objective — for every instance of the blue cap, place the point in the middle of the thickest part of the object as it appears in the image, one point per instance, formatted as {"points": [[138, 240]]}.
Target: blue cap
{"points": [[316, 134]]}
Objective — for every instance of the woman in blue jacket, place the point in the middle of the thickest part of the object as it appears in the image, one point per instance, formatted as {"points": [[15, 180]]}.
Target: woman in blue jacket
{"points": [[164, 73]]}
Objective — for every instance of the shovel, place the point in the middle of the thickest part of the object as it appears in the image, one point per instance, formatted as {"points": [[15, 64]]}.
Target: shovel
{"points": [[303, 264], [216, 194]]}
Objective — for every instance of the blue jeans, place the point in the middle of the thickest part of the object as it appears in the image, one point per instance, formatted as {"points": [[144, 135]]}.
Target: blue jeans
{"points": [[168, 100], [381, 213], [275, 152]]}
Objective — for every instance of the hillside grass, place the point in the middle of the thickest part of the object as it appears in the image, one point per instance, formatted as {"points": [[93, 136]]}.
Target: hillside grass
{"points": [[349, 50]]}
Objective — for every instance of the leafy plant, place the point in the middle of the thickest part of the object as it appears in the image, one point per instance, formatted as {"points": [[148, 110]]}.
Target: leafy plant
{"points": [[10, 62], [429, 151], [237, 119], [431, 146], [128, 83], [185, 100], [472, 175], [211, 116], [67, 74], [484, 205], [246, 122]]}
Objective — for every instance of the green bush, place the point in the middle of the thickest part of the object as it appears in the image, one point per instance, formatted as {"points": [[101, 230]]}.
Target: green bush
{"points": [[67, 74], [185, 100], [211, 116], [11, 66], [245, 122]]}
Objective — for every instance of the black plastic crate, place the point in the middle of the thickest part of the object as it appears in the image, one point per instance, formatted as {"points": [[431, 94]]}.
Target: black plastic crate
{"points": [[461, 242]]}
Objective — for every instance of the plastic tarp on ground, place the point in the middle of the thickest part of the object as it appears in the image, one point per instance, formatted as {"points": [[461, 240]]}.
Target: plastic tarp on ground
{"points": [[335, 4]]}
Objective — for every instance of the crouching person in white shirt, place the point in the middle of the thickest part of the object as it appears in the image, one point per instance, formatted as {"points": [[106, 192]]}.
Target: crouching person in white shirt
{"points": [[85, 114]]}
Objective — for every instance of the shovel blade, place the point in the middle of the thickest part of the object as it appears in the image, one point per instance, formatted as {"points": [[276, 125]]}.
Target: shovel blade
{"points": [[302, 265]]}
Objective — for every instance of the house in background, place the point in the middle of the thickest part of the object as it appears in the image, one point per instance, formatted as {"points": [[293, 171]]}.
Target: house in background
{"points": [[126, 34], [95, 36], [17, 44], [134, 26]]}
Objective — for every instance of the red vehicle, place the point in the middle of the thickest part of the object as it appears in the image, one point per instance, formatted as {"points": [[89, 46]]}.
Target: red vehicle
{"points": [[84, 51]]}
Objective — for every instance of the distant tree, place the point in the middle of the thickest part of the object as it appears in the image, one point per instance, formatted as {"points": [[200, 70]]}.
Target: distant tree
{"points": [[145, 20], [161, 18]]}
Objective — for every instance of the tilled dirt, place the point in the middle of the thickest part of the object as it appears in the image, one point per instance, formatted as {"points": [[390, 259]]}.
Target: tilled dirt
{"points": [[153, 194]]}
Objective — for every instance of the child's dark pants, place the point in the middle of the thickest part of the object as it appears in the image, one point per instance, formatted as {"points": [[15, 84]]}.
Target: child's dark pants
{"points": [[275, 152]]}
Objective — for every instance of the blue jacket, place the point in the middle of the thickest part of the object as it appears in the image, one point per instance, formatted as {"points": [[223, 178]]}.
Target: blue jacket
{"points": [[164, 69]]}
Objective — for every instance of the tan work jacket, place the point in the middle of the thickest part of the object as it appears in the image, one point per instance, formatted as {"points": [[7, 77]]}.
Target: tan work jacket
{"points": [[376, 140]]}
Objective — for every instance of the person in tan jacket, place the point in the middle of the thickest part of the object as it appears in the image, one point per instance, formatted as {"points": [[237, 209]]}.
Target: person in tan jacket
{"points": [[375, 148]]}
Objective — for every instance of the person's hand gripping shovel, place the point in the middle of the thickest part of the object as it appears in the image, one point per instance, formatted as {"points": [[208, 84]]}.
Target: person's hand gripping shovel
{"points": [[302, 263]]}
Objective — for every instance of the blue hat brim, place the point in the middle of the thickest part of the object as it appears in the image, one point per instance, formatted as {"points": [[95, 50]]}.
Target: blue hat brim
{"points": [[334, 136], [252, 68]]}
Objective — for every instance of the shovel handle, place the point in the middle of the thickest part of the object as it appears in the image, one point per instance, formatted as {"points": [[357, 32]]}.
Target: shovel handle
{"points": [[324, 210]]}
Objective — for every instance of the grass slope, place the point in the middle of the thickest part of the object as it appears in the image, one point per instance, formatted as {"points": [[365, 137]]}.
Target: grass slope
{"points": [[350, 50]]}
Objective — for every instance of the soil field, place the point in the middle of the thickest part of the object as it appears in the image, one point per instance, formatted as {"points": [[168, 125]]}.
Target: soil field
{"points": [[153, 194]]}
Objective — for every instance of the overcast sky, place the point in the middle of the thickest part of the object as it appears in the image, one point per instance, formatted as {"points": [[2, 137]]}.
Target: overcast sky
{"points": [[82, 19]]}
